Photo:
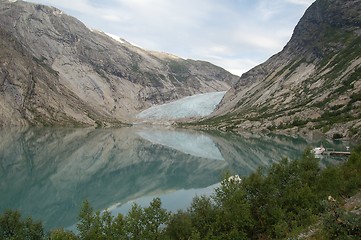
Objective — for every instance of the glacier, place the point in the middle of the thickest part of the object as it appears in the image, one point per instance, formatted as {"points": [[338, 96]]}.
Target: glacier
{"points": [[199, 105]]}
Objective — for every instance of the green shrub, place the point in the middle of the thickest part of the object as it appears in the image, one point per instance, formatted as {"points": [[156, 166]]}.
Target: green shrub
{"points": [[13, 226], [179, 226], [61, 234], [337, 136], [339, 224], [98, 225]]}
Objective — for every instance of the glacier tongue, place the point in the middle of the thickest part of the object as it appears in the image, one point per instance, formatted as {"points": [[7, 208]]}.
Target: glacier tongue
{"points": [[199, 105]]}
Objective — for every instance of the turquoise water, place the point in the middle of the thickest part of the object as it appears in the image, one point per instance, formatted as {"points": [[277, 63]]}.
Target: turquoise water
{"points": [[47, 173]]}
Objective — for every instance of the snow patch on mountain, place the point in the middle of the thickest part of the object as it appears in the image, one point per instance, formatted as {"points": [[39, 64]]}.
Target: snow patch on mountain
{"points": [[199, 105], [116, 38]]}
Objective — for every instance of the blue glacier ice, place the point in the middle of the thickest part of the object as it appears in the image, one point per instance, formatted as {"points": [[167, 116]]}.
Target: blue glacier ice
{"points": [[199, 105]]}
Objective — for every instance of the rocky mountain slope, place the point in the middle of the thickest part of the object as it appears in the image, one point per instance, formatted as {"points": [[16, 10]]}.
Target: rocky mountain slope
{"points": [[313, 83], [56, 71]]}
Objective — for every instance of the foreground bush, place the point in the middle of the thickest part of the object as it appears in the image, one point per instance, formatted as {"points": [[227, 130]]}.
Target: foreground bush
{"points": [[276, 204], [339, 224], [12, 226]]}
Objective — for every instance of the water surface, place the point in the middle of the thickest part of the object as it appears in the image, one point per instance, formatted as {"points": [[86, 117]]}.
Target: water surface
{"points": [[47, 173]]}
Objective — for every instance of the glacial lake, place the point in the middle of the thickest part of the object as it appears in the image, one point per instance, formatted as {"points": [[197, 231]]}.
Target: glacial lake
{"points": [[47, 173]]}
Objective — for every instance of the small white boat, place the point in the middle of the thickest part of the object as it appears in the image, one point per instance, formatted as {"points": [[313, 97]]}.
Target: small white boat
{"points": [[318, 150]]}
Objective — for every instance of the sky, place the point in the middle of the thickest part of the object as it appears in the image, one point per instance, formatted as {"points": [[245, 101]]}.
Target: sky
{"points": [[234, 34]]}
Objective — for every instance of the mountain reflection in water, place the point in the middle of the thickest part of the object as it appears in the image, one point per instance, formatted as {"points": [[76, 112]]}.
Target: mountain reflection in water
{"points": [[47, 173]]}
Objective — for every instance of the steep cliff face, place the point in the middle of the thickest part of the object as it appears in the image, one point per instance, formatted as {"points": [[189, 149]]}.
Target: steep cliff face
{"points": [[56, 71], [313, 83]]}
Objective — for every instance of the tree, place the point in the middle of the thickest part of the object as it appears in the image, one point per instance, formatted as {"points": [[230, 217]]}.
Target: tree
{"points": [[61, 234], [100, 225], [134, 226], [339, 224], [179, 226], [202, 213], [112, 228], [155, 218], [234, 218], [12, 226], [86, 221]]}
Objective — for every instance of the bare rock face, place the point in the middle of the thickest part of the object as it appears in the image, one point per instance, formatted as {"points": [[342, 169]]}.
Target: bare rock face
{"points": [[56, 71], [313, 83]]}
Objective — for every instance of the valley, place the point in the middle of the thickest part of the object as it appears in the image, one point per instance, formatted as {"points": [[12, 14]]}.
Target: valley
{"points": [[88, 116], [76, 76]]}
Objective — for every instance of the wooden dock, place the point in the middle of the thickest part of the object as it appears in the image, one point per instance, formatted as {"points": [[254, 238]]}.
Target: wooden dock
{"points": [[332, 152]]}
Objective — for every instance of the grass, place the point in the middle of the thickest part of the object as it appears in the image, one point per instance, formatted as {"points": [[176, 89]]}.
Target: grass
{"points": [[178, 68]]}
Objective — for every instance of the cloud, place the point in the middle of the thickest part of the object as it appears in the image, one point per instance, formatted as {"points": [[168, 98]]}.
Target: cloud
{"points": [[237, 66], [224, 32], [112, 17], [79, 5], [268, 9], [260, 40], [301, 2]]}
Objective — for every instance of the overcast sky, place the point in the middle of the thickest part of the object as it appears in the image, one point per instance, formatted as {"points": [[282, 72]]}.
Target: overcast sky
{"points": [[234, 34]]}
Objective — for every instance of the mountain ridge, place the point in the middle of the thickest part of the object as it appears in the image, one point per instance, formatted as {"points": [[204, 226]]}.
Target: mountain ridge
{"points": [[56, 71], [314, 83]]}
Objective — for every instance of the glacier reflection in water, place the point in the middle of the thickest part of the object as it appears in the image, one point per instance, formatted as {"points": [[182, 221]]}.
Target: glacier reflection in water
{"points": [[190, 142], [47, 173]]}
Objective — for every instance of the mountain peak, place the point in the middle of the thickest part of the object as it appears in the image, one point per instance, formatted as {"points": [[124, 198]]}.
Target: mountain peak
{"points": [[313, 83], [59, 72], [320, 23]]}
